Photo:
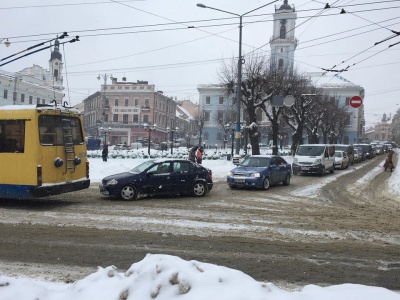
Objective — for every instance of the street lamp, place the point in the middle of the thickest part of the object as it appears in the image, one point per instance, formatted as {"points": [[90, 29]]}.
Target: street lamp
{"points": [[240, 62], [169, 130], [103, 103], [105, 134], [6, 43], [149, 128]]}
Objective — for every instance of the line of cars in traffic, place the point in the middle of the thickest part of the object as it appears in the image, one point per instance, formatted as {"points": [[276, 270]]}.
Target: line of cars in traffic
{"points": [[175, 176]]}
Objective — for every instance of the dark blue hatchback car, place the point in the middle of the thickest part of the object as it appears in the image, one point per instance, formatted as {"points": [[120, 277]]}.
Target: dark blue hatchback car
{"points": [[260, 171], [159, 177]]}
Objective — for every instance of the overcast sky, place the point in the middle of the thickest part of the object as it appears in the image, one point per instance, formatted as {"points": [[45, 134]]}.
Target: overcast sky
{"points": [[151, 40]]}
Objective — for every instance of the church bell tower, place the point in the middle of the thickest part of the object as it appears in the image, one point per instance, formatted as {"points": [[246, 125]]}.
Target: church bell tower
{"points": [[283, 42]]}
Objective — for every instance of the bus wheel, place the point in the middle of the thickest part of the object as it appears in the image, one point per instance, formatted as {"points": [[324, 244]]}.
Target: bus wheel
{"points": [[128, 193]]}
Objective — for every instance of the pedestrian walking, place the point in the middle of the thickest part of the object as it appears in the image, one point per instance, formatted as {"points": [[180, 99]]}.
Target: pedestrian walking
{"points": [[104, 153], [389, 161], [199, 155], [192, 153]]}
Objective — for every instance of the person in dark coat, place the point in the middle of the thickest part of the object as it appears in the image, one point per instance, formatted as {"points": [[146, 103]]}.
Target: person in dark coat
{"points": [[192, 154], [389, 161], [104, 153]]}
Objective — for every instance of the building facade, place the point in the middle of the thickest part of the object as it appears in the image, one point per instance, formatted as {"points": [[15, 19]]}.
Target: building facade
{"points": [[34, 85], [120, 112]]}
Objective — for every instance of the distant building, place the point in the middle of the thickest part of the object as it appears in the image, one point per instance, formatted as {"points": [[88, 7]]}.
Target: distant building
{"points": [[340, 88], [34, 85], [122, 109]]}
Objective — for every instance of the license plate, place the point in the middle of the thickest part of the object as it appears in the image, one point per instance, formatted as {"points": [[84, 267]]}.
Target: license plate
{"points": [[239, 180], [305, 168]]}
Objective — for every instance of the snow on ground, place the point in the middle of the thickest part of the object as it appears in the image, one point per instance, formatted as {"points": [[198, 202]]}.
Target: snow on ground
{"points": [[166, 277]]}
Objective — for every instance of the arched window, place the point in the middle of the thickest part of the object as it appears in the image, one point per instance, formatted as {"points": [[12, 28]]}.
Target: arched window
{"points": [[280, 64], [56, 74], [282, 34]]}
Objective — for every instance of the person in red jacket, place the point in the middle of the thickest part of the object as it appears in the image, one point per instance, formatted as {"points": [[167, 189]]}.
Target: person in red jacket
{"points": [[199, 155]]}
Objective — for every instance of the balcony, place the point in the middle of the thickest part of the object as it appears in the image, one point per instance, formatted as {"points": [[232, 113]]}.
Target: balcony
{"points": [[145, 107]]}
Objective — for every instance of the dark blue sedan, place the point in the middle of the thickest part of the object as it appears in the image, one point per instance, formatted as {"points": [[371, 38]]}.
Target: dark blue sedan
{"points": [[159, 177], [260, 171]]}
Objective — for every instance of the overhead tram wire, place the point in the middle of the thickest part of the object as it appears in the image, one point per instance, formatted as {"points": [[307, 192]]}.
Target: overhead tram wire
{"points": [[165, 24]]}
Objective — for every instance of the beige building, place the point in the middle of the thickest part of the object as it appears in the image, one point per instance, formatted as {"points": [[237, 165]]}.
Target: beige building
{"points": [[121, 111]]}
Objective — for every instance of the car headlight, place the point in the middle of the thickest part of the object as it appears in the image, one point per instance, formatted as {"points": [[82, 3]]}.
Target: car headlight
{"points": [[112, 182], [317, 161], [230, 174], [255, 175]]}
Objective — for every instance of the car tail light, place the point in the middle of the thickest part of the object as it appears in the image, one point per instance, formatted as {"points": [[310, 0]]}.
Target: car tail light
{"points": [[210, 175], [87, 169], [39, 175]]}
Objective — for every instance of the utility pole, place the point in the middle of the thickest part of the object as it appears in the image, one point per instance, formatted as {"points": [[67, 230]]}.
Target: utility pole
{"points": [[103, 102]]}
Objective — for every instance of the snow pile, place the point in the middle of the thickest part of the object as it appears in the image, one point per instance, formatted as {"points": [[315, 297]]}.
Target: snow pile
{"points": [[165, 277]]}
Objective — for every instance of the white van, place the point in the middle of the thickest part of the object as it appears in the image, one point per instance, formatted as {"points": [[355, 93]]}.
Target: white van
{"points": [[314, 158]]}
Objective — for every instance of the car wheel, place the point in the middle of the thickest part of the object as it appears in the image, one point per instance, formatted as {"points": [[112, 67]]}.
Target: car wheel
{"points": [[128, 193], [232, 186], [199, 189], [287, 180], [322, 173], [266, 183]]}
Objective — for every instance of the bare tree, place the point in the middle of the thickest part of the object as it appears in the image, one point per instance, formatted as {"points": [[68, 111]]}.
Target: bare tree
{"points": [[259, 84]]}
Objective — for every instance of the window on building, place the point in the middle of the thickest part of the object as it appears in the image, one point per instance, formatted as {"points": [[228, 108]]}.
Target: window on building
{"points": [[105, 117], [116, 100], [221, 100], [22, 98], [5, 94], [219, 136], [135, 118], [147, 102], [282, 32], [126, 102], [30, 99], [14, 96], [208, 100], [205, 135], [146, 119], [106, 103], [220, 116], [207, 116], [280, 63], [115, 118], [347, 121], [136, 101], [125, 119], [43, 101], [37, 100], [347, 101]]}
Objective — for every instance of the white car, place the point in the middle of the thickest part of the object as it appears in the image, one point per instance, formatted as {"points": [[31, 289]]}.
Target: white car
{"points": [[341, 160]]}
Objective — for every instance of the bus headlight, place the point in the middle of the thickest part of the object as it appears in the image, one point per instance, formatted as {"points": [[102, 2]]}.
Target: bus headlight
{"points": [[58, 162]]}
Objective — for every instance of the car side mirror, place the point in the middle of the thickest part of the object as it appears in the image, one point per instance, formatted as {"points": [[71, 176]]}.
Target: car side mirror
{"points": [[150, 174]]}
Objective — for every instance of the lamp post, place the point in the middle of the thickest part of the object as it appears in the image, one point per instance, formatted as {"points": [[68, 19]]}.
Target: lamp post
{"points": [[240, 62], [102, 130], [103, 103], [200, 124], [149, 128], [169, 130], [17, 79]]}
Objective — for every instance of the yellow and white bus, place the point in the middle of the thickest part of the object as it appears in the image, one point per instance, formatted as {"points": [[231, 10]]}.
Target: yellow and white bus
{"points": [[42, 151]]}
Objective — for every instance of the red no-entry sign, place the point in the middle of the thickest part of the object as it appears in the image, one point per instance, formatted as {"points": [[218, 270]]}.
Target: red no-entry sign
{"points": [[355, 101]]}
